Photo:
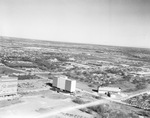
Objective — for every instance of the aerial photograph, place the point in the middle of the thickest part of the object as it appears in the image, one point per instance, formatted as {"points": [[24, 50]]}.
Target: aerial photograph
{"points": [[74, 58]]}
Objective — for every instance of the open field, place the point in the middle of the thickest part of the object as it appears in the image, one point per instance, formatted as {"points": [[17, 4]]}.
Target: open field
{"points": [[40, 105]]}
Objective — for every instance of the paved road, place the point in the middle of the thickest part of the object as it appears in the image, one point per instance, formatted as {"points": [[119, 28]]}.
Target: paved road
{"points": [[15, 69], [40, 72], [53, 113], [130, 96], [24, 71]]}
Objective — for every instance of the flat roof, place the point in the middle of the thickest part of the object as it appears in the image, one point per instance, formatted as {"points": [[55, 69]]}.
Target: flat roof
{"points": [[115, 89]]}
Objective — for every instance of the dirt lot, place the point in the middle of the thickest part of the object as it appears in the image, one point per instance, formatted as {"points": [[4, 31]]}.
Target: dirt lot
{"points": [[45, 102]]}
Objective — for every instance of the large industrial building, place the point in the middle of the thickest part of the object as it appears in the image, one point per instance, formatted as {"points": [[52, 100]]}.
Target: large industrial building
{"points": [[8, 85], [63, 83]]}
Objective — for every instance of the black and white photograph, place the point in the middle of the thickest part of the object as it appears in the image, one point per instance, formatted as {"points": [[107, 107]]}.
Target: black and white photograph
{"points": [[74, 58]]}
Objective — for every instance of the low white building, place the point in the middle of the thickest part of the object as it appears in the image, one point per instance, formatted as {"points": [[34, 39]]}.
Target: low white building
{"points": [[104, 90]]}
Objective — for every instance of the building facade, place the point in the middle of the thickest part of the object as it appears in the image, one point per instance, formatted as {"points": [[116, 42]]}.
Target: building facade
{"points": [[8, 85], [63, 83], [104, 90]]}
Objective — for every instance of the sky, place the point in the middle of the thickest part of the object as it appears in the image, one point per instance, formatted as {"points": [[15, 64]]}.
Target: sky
{"points": [[104, 22]]}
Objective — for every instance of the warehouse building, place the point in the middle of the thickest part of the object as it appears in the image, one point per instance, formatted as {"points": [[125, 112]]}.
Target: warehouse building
{"points": [[104, 90], [8, 85], [63, 83]]}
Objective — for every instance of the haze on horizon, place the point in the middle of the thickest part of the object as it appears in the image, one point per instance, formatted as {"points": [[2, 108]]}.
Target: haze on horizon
{"points": [[104, 22]]}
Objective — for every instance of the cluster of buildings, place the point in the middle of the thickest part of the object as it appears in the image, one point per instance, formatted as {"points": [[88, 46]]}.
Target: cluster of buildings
{"points": [[9, 86], [69, 85]]}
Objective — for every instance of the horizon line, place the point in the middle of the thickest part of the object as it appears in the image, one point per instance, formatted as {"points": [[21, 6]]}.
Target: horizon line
{"points": [[70, 42]]}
